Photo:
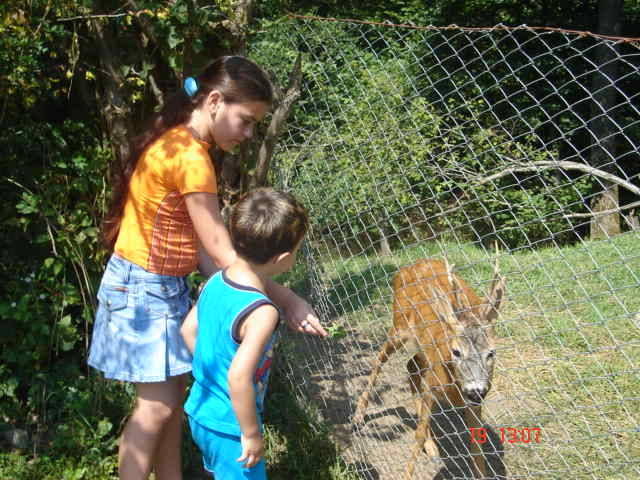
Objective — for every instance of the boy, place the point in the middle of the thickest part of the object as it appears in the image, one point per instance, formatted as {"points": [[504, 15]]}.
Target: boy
{"points": [[235, 325]]}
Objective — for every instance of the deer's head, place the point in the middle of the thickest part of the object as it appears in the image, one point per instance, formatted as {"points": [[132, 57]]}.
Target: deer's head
{"points": [[470, 340]]}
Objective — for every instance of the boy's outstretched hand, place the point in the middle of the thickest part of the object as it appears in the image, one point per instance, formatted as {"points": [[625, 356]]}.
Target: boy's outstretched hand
{"points": [[252, 450]]}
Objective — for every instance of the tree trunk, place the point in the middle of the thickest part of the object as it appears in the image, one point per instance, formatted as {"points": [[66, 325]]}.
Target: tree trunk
{"points": [[115, 107], [233, 170], [602, 126], [385, 247]]}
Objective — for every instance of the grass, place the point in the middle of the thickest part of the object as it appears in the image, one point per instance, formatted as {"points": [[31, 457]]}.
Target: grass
{"points": [[573, 309]]}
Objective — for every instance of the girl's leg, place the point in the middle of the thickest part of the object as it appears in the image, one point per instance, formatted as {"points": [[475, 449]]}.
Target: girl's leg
{"points": [[167, 463], [155, 406]]}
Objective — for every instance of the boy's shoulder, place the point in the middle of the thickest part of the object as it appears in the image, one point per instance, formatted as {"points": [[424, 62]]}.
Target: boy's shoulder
{"points": [[222, 288]]}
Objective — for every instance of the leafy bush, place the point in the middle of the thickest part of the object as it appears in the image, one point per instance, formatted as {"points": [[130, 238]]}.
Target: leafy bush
{"points": [[50, 224], [378, 161]]}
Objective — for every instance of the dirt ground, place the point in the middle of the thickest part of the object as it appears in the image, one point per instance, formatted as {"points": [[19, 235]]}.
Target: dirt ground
{"points": [[336, 374]]}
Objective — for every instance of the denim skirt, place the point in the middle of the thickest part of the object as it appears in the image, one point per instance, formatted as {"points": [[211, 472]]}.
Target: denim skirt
{"points": [[136, 334]]}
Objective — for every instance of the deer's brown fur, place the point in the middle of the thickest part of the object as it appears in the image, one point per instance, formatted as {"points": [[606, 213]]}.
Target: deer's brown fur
{"points": [[447, 326]]}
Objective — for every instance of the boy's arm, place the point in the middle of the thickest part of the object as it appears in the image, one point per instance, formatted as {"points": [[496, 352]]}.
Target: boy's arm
{"points": [[256, 332], [189, 329]]}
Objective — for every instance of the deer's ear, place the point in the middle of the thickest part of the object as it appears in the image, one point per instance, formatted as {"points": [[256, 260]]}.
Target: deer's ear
{"points": [[490, 310], [459, 293], [462, 300]]}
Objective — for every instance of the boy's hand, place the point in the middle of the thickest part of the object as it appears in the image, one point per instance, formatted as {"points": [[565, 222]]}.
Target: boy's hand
{"points": [[252, 450]]}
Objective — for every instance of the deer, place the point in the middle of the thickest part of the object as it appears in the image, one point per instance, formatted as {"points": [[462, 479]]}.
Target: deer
{"points": [[437, 315]]}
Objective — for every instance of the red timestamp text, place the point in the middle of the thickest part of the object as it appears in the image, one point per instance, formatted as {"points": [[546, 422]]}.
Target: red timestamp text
{"points": [[508, 434]]}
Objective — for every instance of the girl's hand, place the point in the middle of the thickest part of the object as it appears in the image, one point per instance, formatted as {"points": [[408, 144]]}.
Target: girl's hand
{"points": [[252, 450], [302, 318]]}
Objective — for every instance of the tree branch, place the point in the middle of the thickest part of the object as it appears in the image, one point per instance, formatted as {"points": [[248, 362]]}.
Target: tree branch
{"points": [[603, 212], [565, 165], [238, 25], [156, 90], [278, 121]]}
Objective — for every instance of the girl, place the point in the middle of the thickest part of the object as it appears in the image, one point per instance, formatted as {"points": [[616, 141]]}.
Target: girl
{"points": [[164, 220]]}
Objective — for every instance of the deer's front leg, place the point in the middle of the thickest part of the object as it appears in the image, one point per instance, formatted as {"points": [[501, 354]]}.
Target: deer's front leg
{"points": [[388, 348], [417, 367], [424, 437], [473, 419]]}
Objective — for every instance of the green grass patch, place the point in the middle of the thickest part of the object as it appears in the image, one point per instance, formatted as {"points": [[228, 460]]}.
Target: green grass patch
{"points": [[578, 306]]}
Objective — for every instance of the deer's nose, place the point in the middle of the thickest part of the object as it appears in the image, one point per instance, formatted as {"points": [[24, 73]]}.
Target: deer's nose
{"points": [[476, 395]]}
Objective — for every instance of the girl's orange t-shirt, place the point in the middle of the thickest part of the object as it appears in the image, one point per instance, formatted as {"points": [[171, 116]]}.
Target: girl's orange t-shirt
{"points": [[156, 232]]}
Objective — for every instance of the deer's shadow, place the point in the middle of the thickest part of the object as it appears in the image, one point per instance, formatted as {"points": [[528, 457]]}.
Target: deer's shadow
{"points": [[453, 439]]}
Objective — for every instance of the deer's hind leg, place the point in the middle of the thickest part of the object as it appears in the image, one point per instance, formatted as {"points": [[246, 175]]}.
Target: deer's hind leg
{"points": [[418, 368], [394, 341]]}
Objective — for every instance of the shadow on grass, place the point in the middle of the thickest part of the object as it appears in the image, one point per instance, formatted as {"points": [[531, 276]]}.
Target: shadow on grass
{"points": [[354, 291], [300, 445]]}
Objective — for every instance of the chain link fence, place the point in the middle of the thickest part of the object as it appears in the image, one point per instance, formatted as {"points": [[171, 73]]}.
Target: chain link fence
{"points": [[410, 143]]}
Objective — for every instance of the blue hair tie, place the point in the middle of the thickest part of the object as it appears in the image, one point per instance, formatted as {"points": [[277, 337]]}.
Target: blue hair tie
{"points": [[190, 86]]}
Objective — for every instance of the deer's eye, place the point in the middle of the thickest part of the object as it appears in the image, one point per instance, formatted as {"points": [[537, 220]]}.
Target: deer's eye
{"points": [[456, 353], [491, 354]]}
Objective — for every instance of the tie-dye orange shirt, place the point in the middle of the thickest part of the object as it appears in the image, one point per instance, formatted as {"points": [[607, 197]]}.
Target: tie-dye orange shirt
{"points": [[156, 231]]}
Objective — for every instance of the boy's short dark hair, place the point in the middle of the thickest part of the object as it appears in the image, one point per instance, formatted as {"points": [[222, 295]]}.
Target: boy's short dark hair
{"points": [[265, 223]]}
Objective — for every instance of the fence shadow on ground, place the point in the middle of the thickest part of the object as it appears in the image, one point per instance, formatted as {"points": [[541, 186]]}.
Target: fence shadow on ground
{"points": [[452, 438]]}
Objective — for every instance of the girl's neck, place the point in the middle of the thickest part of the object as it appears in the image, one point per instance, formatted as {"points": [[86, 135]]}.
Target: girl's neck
{"points": [[197, 125]]}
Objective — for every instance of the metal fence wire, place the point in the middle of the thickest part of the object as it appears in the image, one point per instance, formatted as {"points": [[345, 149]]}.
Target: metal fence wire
{"points": [[410, 143]]}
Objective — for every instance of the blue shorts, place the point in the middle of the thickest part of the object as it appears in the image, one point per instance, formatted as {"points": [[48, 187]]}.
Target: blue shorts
{"points": [[136, 334], [220, 452]]}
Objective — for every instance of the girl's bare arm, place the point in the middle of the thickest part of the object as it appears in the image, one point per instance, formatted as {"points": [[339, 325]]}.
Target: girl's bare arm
{"points": [[204, 212]]}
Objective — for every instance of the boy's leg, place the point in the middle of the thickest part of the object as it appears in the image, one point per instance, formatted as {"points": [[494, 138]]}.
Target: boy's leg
{"points": [[220, 452], [155, 406], [228, 468]]}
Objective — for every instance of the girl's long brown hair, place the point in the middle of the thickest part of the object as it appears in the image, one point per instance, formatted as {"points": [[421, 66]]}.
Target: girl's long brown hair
{"points": [[237, 78]]}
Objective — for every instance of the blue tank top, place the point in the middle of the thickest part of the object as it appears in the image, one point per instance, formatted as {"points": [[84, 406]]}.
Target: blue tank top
{"points": [[222, 306]]}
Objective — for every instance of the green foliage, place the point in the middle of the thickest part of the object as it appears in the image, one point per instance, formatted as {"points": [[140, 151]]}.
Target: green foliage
{"points": [[30, 54], [17, 467], [50, 261], [48, 296], [47, 306], [384, 162]]}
